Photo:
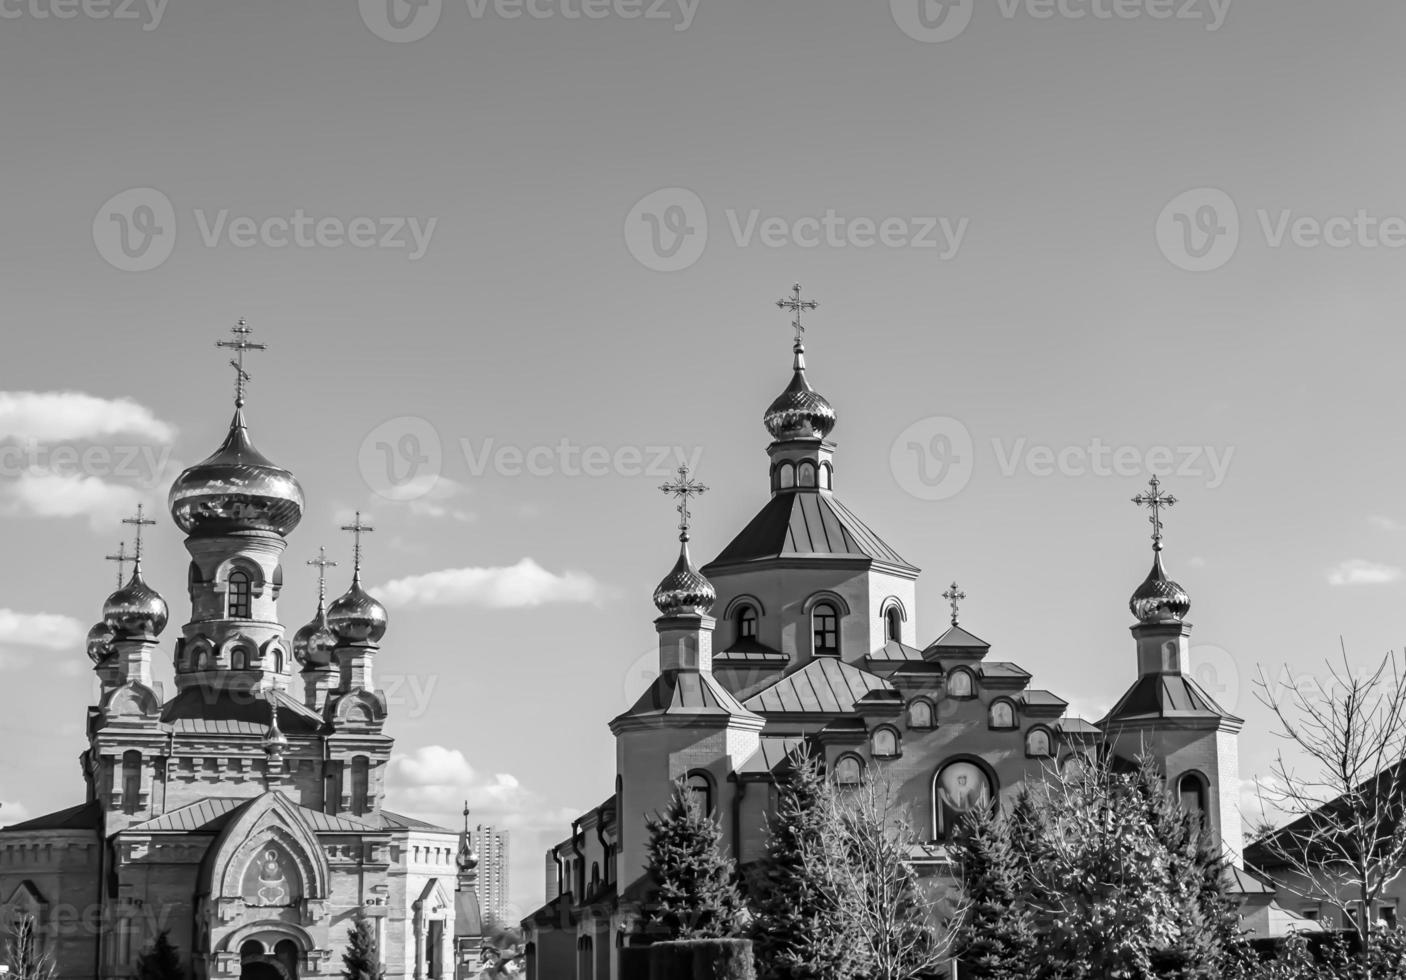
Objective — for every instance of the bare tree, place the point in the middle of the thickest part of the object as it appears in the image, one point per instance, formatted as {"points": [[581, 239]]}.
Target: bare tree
{"points": [[1346, 843], [26, 953], [901, 926]]}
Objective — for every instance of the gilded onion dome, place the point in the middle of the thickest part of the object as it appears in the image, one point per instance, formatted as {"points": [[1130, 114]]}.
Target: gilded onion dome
{"points": [[314, 643], [684, 590], [1158, 599], [800, 412], [236, 489], [99, 643], [275, 742], [357, 617], [136, 611]]}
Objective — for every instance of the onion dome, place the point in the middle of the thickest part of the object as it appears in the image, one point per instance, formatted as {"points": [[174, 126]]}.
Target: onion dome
{"points": [[136, 611], [314, 643], [99, 642], [275, 742], [800, 412], [356, 617], [237, 489], [684, 590], [1158, 599]]}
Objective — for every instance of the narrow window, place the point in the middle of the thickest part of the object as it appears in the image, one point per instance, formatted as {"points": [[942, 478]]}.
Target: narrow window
{"points": [[885, 744], [920, 715], [241, 595], [131, 781], [807, 474], [1192, 792], [361, 784], [700, 792], [827, 629], [746, 623], [894, 622], [848, 772]]}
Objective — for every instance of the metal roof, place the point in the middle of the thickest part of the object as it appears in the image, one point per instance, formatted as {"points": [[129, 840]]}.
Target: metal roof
{"points": [[1166, 696], [823, 686], [773, 751], [84, 816], [807, 524]]}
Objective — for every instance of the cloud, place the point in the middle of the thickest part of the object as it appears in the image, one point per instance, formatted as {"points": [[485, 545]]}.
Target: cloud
{"points": [[432, 783], [1359, 572], [1384, 523], [69, 416], [13, 813], [47, 494], [44, 630], [514, 587]]}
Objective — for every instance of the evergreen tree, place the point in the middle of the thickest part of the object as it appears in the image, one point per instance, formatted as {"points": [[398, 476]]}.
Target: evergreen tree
{"points": [[797, 929], [362, 960], [698, 896], [162, 961], [997, 938]]}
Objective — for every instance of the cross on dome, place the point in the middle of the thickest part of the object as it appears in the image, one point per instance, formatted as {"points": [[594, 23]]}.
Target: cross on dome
{"points": [[1155, 499], [684, 488], [954, 596], [240, 345], [322, 562], [139, 522], [797, 306], [357, 528], [122, 558]]}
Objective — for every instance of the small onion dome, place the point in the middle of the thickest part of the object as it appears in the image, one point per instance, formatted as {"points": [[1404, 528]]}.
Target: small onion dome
{"points": [[468, 857], [1158, 599], [356, 617], [136, 610], [800, 412], [237, 489], [314, 643], [685, 590], [275, 742], [100, 639]]}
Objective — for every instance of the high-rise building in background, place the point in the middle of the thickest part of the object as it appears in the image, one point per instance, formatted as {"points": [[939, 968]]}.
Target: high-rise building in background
{"points": [[492, 847]]}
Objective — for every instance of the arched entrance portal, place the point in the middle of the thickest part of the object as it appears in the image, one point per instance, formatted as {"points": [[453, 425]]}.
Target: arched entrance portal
{"points": [[257, 962]]}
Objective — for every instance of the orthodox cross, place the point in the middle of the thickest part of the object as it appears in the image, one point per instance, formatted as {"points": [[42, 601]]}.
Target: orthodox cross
{"points": [[357, 528], [797, 306], [1156, 500], [467, 811], [685, 488], [323, 563], [122, 558], [240, 345], [954, 595], [139, 522]]}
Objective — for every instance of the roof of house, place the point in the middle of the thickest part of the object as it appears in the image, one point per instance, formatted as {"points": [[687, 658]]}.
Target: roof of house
{"points": [[1077, 726], [685, 692], [826, 685], [807, 524], [387, 820], [224, 712], [771, 754], [895, 652], [957, 640], [1002, 669], [1166, 696], [213, 814], [1042, 698], [84, 816], [468, 916]]}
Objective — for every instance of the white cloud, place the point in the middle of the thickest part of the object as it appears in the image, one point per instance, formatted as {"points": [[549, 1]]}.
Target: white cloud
{"points": [[67, 416], [45, 630], [1384, 523], [1358, 572], [433, 782], [514, 587], [13, 813], [46, 494]]}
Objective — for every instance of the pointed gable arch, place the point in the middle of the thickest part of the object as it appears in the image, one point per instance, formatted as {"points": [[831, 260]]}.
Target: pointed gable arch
{"points": [[270, 822], [27, 899], [133, 701], [358, 709]]}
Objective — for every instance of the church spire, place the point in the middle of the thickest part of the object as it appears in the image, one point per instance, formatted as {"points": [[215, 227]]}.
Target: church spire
{"points": [[241, 345], [684, 591], [799, 412], [1158, 599]]}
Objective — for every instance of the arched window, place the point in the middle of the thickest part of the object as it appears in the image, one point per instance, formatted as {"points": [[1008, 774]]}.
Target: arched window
{"points": [[786, 476], [277, 656], [1037, 743], [700, 792], [827, 476], [959, 684], [826, 624], [806, 474], [958, 789], [1191, 789], [202, 660], [240, 596], [595, 876], [286, 952], [849, 771], [1002, 714], [920, 714], [893, 624], [884, 744], [131, 781], [747, 623], [238, 661]]}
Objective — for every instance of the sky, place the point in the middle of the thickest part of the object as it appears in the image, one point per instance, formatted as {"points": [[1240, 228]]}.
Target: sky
{"points": [[514, 261]]}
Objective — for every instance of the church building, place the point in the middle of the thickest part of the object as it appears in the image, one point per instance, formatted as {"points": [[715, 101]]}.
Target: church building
{"points": [[802, 635], [243, 813]]}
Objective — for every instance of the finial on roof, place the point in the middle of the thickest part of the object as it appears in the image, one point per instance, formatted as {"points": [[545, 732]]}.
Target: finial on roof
{"points": [[122, 558], [954, 596], [1158, 599], [357, 528], [799, 412], [685, 488], [240, 345]]}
